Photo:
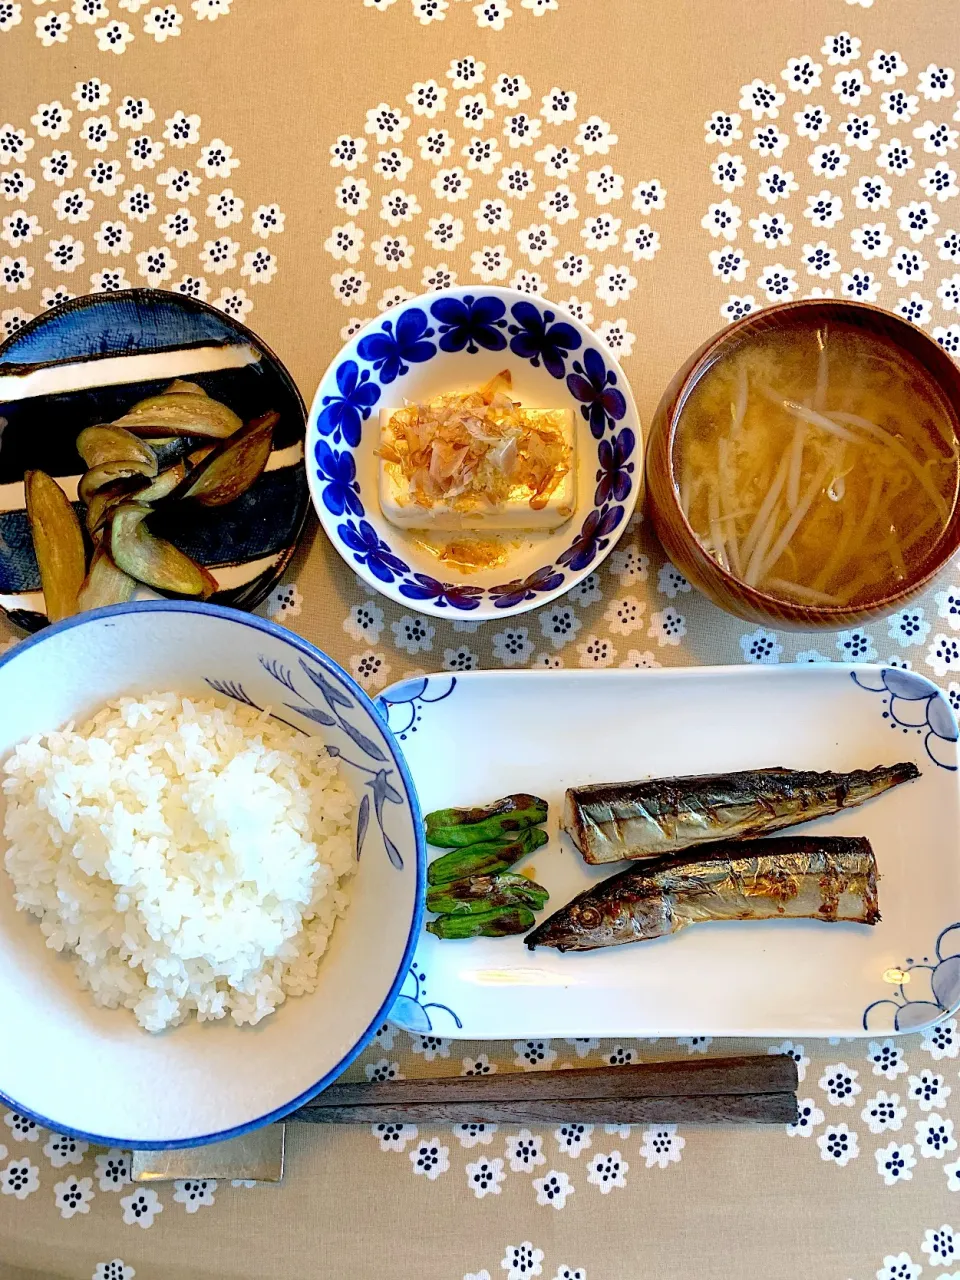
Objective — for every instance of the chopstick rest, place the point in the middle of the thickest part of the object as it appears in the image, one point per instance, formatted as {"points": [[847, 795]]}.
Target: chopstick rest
{"points": [[257, 1156]]}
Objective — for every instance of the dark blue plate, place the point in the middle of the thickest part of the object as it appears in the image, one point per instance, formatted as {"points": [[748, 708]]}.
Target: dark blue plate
{"points": [[246, 545]]}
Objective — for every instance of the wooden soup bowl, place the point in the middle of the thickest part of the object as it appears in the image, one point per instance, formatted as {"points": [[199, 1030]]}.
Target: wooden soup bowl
{"points": [[724, 588]]}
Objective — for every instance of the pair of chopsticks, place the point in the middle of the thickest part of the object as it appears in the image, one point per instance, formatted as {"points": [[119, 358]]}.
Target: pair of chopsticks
{"points": [[758, 1089]]}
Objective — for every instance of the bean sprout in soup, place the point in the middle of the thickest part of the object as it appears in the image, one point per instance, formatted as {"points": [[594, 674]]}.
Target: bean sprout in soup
{"points": [[819, 464]]}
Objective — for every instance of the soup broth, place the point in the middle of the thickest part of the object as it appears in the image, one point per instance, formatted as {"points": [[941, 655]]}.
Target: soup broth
{"points": [[818, 464]]}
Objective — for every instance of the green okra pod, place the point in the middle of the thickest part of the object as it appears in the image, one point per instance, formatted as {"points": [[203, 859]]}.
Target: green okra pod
{"points": [[457, 828], [489, 858], [489, 924], [478, 894]]}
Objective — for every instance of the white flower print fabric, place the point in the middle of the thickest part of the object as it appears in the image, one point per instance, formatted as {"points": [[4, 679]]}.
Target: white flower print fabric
{"points": [[864, 117], [478, 116], [88, 27], [113, 199], [489, 15]]}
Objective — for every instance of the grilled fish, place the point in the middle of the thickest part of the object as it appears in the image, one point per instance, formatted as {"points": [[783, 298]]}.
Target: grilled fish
{"points": [[795, 877], [610, 821]]}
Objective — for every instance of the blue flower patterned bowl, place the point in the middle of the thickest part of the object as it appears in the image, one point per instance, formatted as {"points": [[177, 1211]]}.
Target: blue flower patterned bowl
{"points": [[455, 340], [93, 1072]]}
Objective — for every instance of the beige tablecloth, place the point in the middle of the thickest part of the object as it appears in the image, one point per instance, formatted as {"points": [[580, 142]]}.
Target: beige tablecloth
{"points": [[323, 141]]}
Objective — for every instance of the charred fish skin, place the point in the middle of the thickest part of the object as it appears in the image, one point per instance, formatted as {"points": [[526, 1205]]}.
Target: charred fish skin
{"points": [[611, 821], [830, 878]]}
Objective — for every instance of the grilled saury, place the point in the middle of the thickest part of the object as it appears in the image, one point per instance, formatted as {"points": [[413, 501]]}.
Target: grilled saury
{"points": [[610, 821], [816, 877]]}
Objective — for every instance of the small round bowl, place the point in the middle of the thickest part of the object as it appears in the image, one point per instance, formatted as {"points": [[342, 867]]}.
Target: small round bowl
{"points": [[94, 1072], [53, 384], [455, 340], [663, 501]]}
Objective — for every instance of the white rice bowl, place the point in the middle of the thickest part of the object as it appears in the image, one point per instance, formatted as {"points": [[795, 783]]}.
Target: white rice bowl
{"points": [[192, 857]]}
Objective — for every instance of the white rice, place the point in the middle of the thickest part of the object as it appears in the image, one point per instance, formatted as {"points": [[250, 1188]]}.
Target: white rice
{"points": [[190, 855]]}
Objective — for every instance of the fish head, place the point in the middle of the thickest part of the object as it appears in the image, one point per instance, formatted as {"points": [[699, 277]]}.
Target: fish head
{"points": [[588, 923]]}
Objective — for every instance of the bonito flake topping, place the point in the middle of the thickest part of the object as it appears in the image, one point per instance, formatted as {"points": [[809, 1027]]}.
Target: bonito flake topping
{"points": [[477, 450]]}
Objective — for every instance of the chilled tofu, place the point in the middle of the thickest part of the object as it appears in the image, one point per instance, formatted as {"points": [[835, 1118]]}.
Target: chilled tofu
{"points": [[513, 513]]}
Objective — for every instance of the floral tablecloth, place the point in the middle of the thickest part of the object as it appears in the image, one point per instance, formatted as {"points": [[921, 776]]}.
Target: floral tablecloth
{"points": [[660, 169]]}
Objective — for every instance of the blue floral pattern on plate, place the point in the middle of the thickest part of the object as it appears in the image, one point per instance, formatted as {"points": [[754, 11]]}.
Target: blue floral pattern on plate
{"points": [[338, 471], [914, 705], [471, 323], [422, 587], [467, 324], [402, 706], [343, 416], [939, 999], [614, 478], [388, 349], [593, 537], [410, 1009], [539, 336], [595, 386], [370, 549], [511, 593]]}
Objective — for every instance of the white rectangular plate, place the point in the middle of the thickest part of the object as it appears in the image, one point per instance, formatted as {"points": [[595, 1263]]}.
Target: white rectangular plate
{"points": [[472, 738]]}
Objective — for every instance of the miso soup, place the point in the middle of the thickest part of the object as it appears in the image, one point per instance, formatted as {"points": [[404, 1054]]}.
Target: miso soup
{"points": [[817, 463]]}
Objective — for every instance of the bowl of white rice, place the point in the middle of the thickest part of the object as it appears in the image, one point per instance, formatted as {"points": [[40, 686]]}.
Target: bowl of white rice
{"points": [[211, 873]]}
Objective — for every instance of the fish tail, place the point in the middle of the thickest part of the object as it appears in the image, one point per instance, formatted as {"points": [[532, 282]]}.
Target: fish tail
{"points": [[863, 784]]}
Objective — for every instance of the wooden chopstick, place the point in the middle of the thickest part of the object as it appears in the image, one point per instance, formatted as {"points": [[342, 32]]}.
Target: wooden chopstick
{"points": [[715, 1108], [760, 1088], [767, 1073]]}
